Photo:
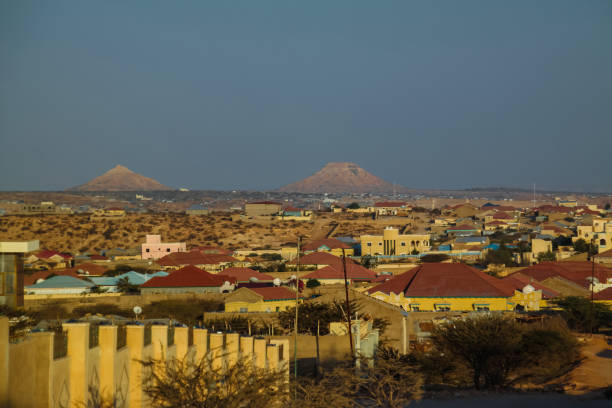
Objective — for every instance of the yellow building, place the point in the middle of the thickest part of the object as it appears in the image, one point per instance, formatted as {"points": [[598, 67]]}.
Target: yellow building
{"points": [[445, 287], [540, 246], [392, 243], [266, 299]]}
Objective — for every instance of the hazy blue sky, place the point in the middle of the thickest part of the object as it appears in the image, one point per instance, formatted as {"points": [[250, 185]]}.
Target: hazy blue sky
{"points": [[257, 94]]}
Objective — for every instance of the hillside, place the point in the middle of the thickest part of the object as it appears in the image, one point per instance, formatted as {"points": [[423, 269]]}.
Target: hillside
{"points": [[121, 178], [341, 177]]}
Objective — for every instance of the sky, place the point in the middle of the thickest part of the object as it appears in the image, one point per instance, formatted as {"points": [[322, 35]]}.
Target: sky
{"points": [[257, 94]]}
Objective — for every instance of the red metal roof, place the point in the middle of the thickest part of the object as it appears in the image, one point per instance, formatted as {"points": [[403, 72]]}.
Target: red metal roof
{"points": [[605, 294], [353, 272], [193, 258], [577, 272], [46, 254], [502, 216], [519, 281], [189, 276], [245, 274], [321, 258], [463, 227], [445, 280], [331, 243]]}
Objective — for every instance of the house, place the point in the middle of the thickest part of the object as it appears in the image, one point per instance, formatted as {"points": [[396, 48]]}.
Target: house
{"points": [[604, 257], [329, 245], [391, 242], [209, 262], [391, 208], [135, 278], [530, 294], [462, 230], [540, 246], [60, 285], [244, 275], [332, 275], [446, 287], [319, 260], [86, 269], [48, 259], [605, 297], [266, 299], [153, 248], [121, 254], [189, 279], [197, 209], [111, 212], [11, 271], [571, 278], [262, 208]]}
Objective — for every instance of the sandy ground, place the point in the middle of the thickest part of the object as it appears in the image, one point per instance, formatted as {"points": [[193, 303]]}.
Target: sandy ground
{"points": [[595, 372]]}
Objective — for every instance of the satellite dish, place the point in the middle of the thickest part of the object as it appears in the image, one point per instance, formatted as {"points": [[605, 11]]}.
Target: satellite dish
{"points": [[137, 310], [276, 281], [226, 283], [528, 289], [293, 277], [253, 279]]}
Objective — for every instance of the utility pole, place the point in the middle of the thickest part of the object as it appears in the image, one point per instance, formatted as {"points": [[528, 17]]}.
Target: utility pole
{"points": [[348, 305], [591, 316]]}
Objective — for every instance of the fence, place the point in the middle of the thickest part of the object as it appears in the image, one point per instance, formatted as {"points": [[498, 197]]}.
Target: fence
{"points": [[63, 369]]}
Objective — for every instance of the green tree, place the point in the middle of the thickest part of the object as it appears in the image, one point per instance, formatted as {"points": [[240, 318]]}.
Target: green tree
{"points": [[607, 206], [353, 206], [312, 283]]}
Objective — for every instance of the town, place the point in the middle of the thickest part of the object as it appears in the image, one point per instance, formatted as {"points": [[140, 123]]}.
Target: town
{"points": [[219, 276]]}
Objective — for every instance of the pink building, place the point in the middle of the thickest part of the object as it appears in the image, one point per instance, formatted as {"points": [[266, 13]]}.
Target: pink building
{"points": [[153, 248]]}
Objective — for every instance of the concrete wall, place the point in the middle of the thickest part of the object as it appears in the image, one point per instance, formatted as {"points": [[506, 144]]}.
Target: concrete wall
{"points": [[31, 377]]}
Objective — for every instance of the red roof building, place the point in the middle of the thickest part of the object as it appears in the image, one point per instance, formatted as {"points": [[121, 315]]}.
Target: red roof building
{"points": [[329, 243], [180, 259], [245, 274], [191, 278], [576, 272], [435, 280], [321, 258], [354, 272]]}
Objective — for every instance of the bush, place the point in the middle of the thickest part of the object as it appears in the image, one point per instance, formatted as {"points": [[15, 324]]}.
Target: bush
{"points": [[433, 258], [581, 315], [496, 348]]}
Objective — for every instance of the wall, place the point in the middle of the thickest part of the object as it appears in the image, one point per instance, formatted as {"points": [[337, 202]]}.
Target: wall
{"points": [[261, 306], [30, 376], [455, 303]]}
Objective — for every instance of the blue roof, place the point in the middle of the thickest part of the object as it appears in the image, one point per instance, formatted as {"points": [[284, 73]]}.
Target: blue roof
{"points": [[197, 207], [444, 248], [63, 281], [133, 277], [468, 240]]}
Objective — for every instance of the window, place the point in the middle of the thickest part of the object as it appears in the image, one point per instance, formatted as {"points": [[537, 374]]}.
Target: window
{"points": [[244, 309], [443, 307], [481, 307], [403, 244], [277, 309], [380, 244], [148, 250], [602, 242], [415, 308], [369, 244], [167, 249]]}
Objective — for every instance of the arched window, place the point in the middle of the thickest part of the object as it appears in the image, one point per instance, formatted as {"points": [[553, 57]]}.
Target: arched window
{"points": [[412, 243], [602, 242]]}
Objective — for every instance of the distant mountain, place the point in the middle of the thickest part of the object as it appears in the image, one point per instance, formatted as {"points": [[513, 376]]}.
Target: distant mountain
{"points": [[342, 177], [121, 178]]}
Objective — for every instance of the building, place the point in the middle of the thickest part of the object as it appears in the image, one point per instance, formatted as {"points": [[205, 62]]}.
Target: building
{"points": [[319, 260], [48, 259], [60, 285], [329, 245], [189, 279], [11, 271], [111, 212], [267, 299], [391, 208], [333, 275], [45, 207], [392, 243], [209, 262], [533, 295], [446, 287], [197, 209], [540, 246], [262, 209], [245, 275], [462, 231], [153, 248], [571, 278], [110, 283]]}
